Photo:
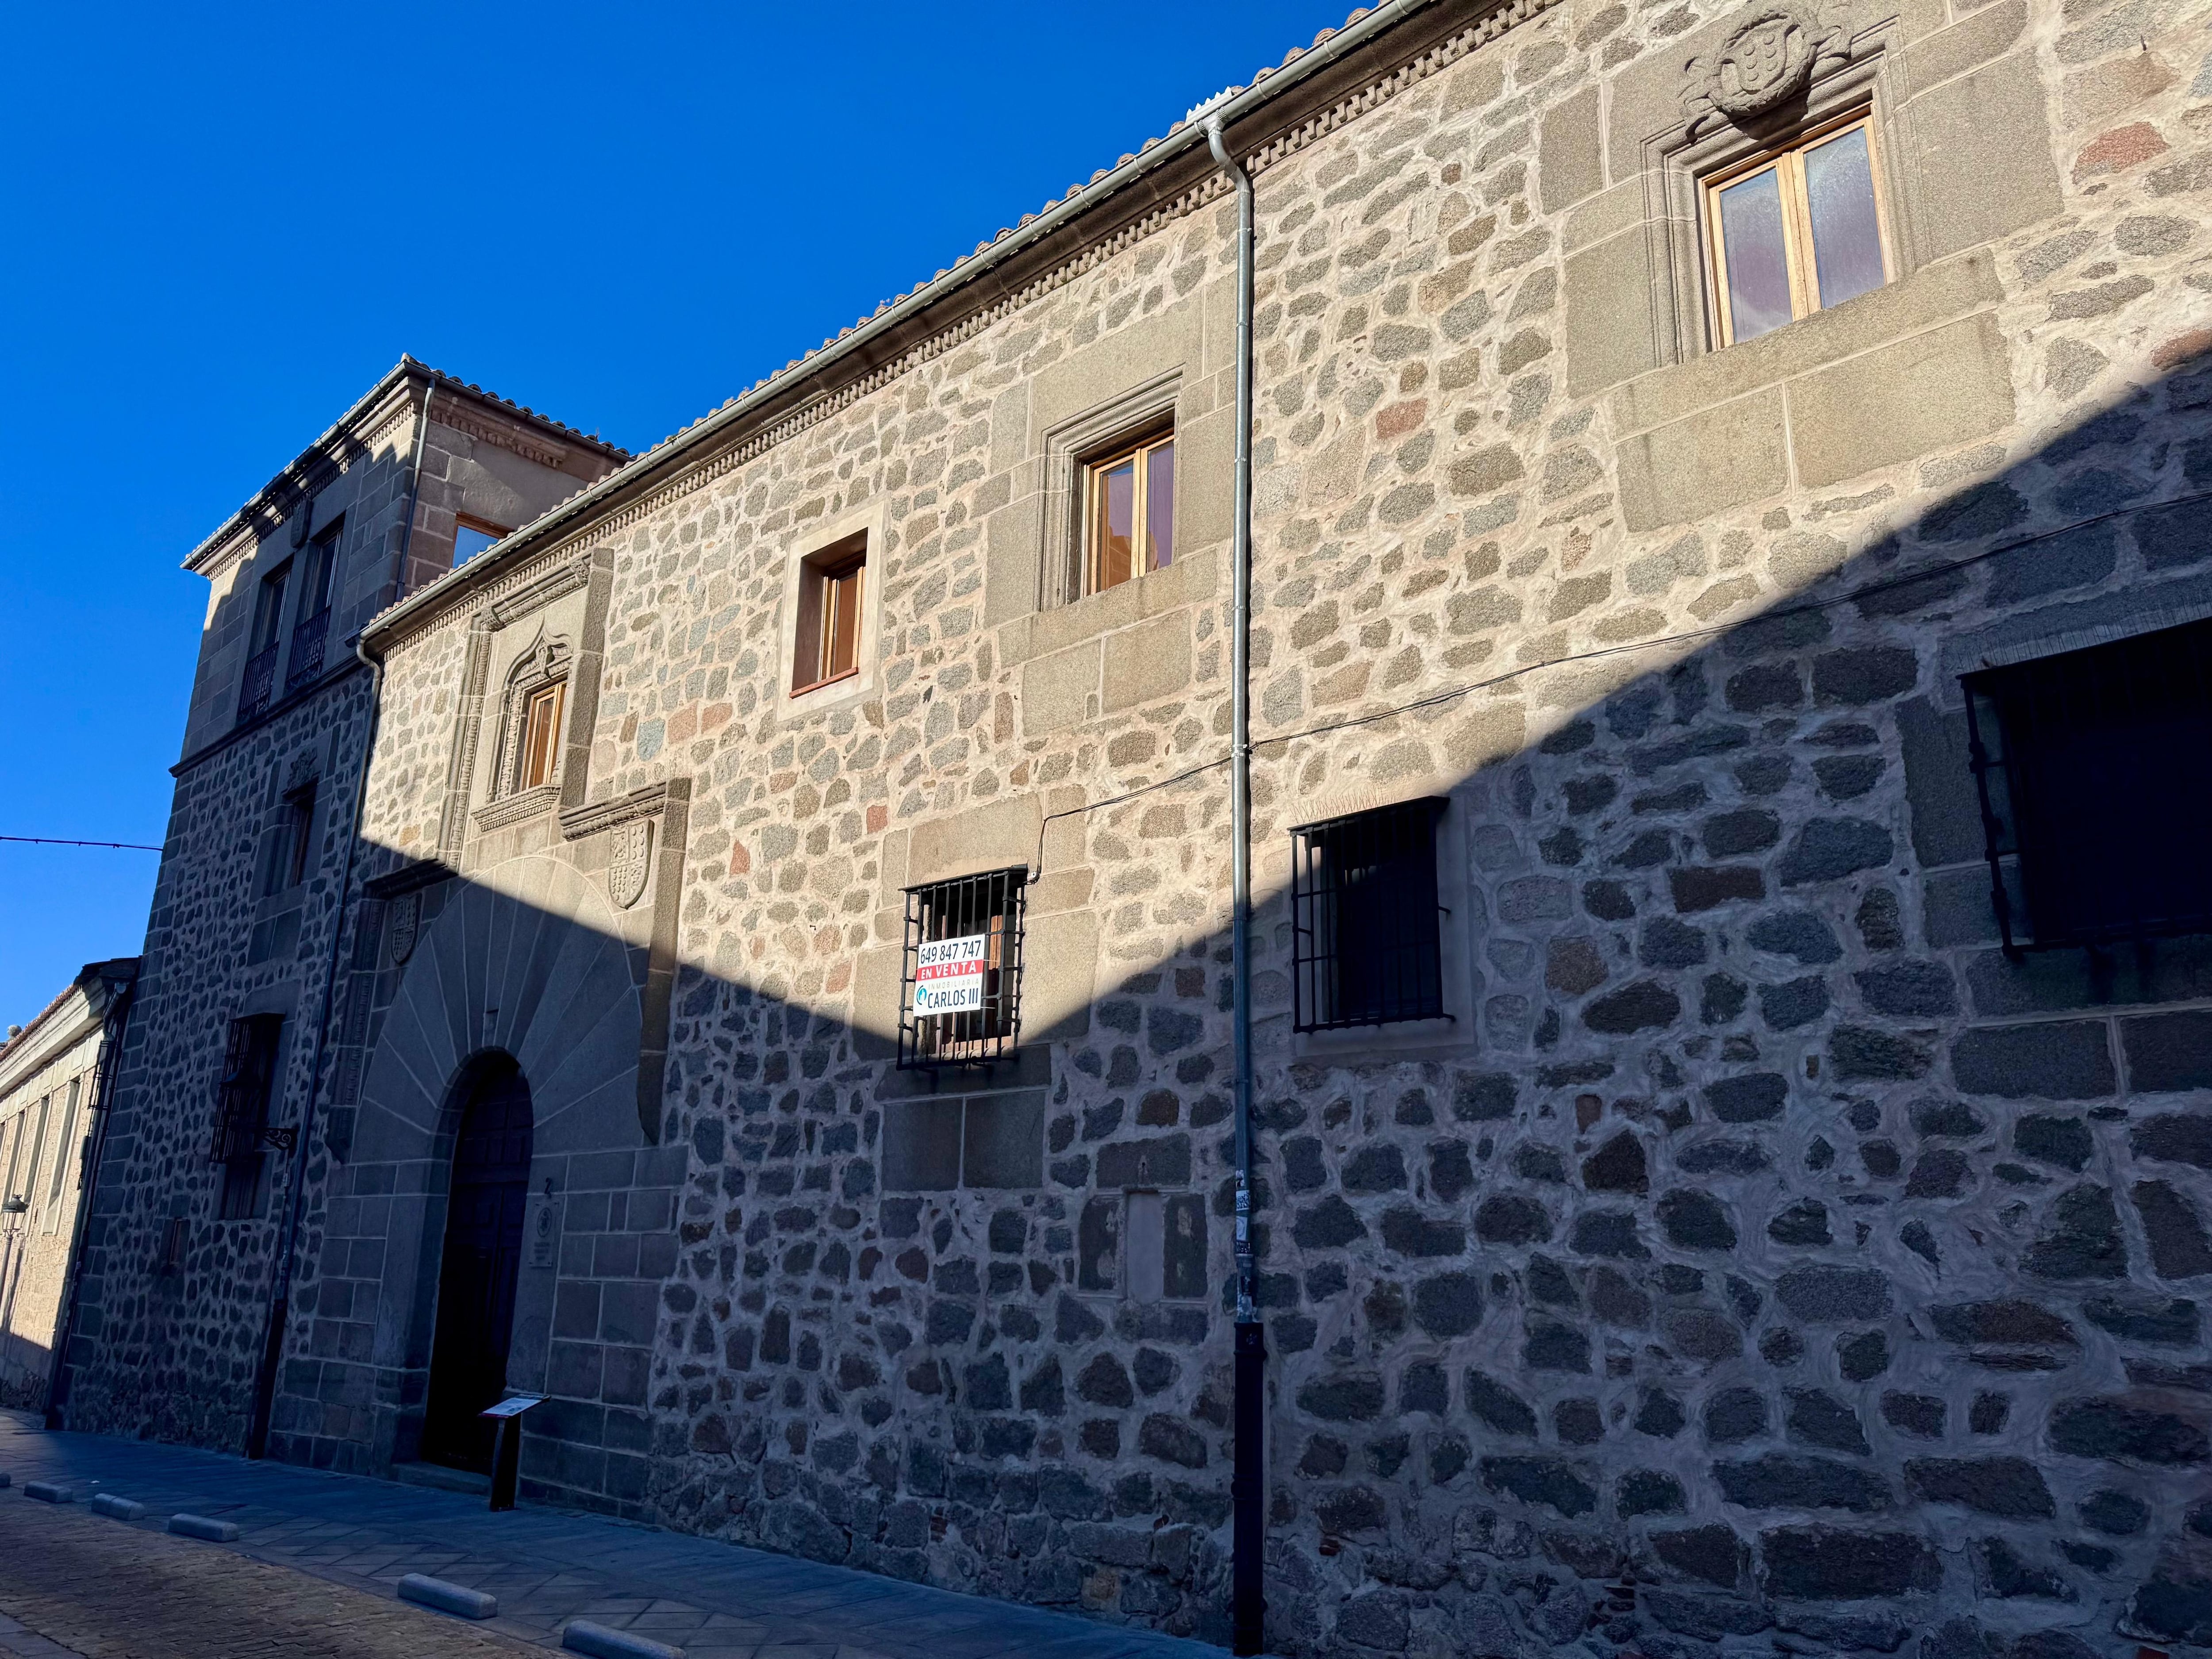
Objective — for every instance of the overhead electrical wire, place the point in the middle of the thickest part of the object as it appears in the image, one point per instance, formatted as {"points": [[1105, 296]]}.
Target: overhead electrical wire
{"points": [[1929, 572], [55, 841]]}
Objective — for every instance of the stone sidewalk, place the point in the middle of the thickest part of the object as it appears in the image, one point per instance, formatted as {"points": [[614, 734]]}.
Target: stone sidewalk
{"points": [[715, 1600]]}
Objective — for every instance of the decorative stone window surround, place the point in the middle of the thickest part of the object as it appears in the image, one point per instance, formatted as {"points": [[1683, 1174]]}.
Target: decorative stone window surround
{"points": [[550, 660], [1945, 97], [591, 573], [1684, 300], [866, 525]]}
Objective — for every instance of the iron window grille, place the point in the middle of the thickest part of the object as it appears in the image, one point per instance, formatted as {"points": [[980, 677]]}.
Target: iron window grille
{"points": [[964, 951], [2090, 766], [242, 1132], [308, 643], [258, 685], [1366, 927], [258, 689]]}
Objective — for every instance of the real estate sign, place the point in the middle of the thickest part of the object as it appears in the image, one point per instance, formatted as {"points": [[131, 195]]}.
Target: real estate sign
{"points": [[948, 974]]}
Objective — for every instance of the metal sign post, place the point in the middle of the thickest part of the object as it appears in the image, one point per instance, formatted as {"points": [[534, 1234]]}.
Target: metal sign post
{"points": [[507, 1449]]}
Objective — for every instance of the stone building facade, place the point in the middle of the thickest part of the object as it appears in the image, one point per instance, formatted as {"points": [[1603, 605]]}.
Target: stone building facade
{"points": [[54, 1074], [180, 1254], [1758, 1235]]}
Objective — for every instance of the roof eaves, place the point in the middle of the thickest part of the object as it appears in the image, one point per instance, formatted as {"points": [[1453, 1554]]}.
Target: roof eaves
{"points": [[302, 465], [1232, 105], [110, 969]]}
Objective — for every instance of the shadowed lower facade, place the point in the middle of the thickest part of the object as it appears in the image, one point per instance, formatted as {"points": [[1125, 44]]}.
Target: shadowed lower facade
{"points": [[1731, 573]]}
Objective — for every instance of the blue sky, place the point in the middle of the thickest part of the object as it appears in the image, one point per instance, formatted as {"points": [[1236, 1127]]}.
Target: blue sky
{"points": [[226, 223]]}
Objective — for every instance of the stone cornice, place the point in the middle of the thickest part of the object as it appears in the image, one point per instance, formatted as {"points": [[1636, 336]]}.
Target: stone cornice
{"points": [[650, 801], [423, 872], [516, 808], [1390, 49], [344, 668], [391, 403]]}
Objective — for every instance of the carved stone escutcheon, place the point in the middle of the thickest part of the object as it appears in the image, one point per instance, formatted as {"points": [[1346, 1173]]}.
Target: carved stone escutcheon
{"points": [[628, 867], [404, 921], [1767, 60]]}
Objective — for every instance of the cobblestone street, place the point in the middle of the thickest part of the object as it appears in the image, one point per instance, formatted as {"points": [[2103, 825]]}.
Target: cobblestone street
{"points": [[76, 1584], [313, 1572]]}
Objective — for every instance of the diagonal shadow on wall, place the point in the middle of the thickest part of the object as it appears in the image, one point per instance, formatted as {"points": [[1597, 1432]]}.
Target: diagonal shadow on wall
{"points": [[1760, 1225]]}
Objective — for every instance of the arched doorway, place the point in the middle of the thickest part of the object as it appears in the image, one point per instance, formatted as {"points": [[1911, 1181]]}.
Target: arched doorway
{"points": [[476, 1273]]}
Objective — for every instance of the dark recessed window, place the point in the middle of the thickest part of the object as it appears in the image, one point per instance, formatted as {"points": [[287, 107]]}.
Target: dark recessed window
{"points": [[1366, 927], [2094, 791], [1128, 512], [169, 1258], [830, 585], [260, 684], [291, 846], [310, 632], [241, 1129], [960, 1002]]}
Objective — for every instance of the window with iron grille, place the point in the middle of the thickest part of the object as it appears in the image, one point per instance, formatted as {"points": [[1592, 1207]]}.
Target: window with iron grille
{"points": [[1367, 929], [312, 628], [258, 686], [243, 1097], [2095, 791], [960, 1000]]}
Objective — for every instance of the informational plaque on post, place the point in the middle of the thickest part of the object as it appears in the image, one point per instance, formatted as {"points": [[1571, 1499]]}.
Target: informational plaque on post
{"points": [[948, 974]]}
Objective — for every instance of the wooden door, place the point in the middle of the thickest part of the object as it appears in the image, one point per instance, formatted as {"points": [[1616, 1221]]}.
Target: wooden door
{"points": [[477, 1275]]}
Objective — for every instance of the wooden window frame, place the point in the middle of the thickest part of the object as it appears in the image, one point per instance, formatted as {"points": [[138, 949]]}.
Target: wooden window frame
{"points": [[825, 597], [540, 763], [547, 662], [1095, 467], [1788, 161]]}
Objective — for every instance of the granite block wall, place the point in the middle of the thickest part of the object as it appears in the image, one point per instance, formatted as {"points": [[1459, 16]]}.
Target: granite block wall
{"points": [[1757, 1255]]}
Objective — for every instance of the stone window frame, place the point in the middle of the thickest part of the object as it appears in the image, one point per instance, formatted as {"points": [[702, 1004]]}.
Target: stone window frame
{"points": [[1145, 411], [1681, 162], [73, 1091], [805, 554], [550, 660], [591, 573], [1455, 1033], [289, 841]]}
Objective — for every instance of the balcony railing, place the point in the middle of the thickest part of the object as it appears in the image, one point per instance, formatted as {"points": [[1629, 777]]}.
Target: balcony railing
{"points": [[254, 694], [306, 650]]}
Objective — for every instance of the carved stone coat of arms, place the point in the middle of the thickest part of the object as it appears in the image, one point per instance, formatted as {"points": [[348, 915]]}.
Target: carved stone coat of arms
{"points": [[1767, 60], [630, 863], [405, 922]]}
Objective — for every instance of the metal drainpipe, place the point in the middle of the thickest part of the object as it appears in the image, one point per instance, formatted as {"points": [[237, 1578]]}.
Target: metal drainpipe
{"points": [[414, 499], [280, 1302], [1247, 1486]]}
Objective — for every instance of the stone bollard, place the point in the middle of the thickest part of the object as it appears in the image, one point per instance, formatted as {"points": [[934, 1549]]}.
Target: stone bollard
{"points": [[198, 1526], [581, 1636], [457, 1599]]}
